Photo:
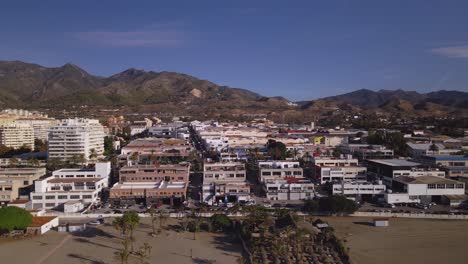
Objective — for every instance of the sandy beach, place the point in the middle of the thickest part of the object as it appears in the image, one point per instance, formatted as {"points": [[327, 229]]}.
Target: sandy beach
{"points": [[98, 245], [415, 241]]}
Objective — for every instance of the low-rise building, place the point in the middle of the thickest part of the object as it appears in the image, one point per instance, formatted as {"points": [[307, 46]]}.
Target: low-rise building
{"points": [[423, 189], [224, 172], [356, 189], [278, 170], [289, 189], [215, 193], [53, 192], [83, 185], [453, 165], [16, 182], [148, 192], [151, 183], [367, 151]]}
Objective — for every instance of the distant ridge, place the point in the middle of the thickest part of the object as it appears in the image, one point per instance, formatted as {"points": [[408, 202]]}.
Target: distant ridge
{"points": [[34, 86]]}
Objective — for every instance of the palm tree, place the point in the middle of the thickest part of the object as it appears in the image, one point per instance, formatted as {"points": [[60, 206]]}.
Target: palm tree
{"points": [[132, 219], [152, 213], [93, 154], [162, 219]]}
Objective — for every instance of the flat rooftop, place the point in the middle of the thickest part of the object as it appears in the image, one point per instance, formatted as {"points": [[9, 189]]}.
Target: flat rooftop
{"points": [[395, 162], [425, 180], [71, 180], [449, 157], [149, 185]]}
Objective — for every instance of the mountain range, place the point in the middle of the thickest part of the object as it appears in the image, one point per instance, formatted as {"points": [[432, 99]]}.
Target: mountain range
{"points": [[33, 86]]}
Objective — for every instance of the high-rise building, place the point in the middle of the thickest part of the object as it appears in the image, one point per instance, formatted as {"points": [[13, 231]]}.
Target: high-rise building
{"points": [[40, 125], [17, 135], [76, 138]]}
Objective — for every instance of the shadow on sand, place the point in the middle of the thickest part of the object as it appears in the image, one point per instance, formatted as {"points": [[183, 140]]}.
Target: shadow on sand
{"points": [[85, 259], [363, 223]]}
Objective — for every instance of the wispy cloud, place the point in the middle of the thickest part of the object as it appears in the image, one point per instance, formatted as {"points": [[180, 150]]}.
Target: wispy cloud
{"points": [[455, 51], [147, 37]]}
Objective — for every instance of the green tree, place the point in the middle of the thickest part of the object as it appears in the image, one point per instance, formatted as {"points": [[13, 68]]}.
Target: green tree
{"points": [[108, 146], [276, 149], [220, 222], [337, 204], [14, 218], [39, 145]]}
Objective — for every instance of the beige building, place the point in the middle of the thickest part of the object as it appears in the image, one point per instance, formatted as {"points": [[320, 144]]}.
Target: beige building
{"points": [[14, 182], [16, 135]]}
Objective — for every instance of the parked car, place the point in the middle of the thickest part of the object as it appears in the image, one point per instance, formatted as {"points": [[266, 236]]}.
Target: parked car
{"points": [[95, 222]]}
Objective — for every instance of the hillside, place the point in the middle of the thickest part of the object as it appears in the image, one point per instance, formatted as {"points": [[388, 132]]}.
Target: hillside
{"points": [[32, 86]]}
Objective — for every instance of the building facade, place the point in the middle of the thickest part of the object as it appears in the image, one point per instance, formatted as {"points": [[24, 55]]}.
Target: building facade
{"points": [[17, 135], [79, 137]]}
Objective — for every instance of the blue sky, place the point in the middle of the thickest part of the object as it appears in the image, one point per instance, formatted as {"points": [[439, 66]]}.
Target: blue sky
{"points": [[297, 49]]}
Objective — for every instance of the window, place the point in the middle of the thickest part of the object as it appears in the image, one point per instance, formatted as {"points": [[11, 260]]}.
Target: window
{"points": [[74, 197], [431, 186], [37, 197], [50, 197], [460, 186], [62, 197], [50, 204], [440, 186], [87, 196]]}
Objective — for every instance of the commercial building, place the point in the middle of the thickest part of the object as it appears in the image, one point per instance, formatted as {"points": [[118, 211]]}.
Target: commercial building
{"points": [[155, 173], [453, 165], [144, 149], [346, 168], [77, 137], [16, 182], [423, 189], [83, 185], [357, 189], [151, 183], [53, 192], [224, 172], [421, 149], [389, 169], [278, 170], [215, 193], [289, 189], [148, 192], [367, 151], [224, 181], [15, 136]]}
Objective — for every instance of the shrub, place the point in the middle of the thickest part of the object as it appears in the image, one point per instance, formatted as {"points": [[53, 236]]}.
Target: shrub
{"points": [[220, 222], [12, 218]]}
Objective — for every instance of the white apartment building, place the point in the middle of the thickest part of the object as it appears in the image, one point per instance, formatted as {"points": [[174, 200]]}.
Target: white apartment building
{"points": [[354, 189], [101, 170], [15, 135], [65, 185], [41, 126], [278, 170], [77, 137], [291, 189], [224, 172], [346, 168]]}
